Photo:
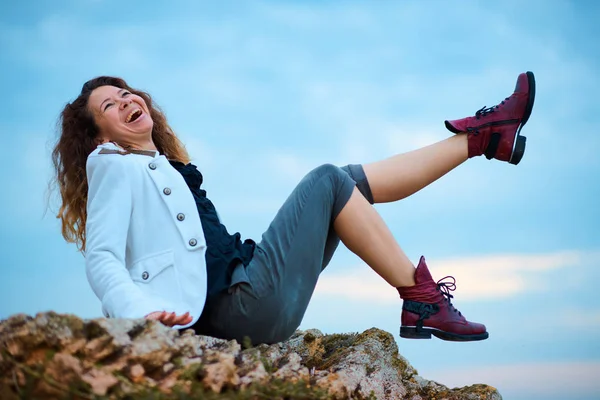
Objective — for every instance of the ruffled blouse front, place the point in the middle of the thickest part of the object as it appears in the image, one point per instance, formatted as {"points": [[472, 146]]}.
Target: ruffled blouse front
{"points": [[223, 250]]}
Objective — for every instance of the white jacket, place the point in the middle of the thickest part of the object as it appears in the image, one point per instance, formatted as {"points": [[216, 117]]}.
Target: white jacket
{"points": [[145, 247]]}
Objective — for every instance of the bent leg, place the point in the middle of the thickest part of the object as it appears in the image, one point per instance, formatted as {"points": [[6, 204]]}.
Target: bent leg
{"points": [[363, 231], [287, 262]]}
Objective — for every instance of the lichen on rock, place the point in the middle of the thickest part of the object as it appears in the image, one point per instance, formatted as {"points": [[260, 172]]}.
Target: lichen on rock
{"points": [[61, 356]]}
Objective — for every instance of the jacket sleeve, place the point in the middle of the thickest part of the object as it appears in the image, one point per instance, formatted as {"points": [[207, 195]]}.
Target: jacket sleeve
{"points": [[109, 208]]}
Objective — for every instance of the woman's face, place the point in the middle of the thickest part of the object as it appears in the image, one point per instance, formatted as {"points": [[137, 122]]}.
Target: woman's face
{"points": [[122, 116]]}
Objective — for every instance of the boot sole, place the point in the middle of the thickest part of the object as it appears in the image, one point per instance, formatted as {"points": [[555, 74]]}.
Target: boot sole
{"points": [[410, 332], [520, 141]]}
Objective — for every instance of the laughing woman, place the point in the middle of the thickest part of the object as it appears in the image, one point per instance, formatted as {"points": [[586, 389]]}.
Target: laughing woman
{"points": [[155, 248]]}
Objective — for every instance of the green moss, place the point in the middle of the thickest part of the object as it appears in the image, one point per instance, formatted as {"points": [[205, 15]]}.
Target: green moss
{"points": [[403, 368], [309, 338], [268, 364], [93, 330], [246, 343], [26, 391], [336, 346], [329, 349], [388, 341], [274, 390], [384, 337], [483, 392], [74, 323], [177, 361], [192, 372], [118, 374], [337, 340], [50, 354], [371, 396], [301, 390]]}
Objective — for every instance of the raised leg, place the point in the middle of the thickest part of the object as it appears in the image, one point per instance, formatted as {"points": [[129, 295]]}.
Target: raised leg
{"points": [[363, 231], [494, 132], [402, 175]]}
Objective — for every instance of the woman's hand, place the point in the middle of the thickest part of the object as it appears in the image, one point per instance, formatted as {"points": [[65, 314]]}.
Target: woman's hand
{"points": [[170, 319]]}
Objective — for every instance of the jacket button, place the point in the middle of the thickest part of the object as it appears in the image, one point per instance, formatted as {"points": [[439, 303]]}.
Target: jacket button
{"points": [[180, 216], [152, 166], [193, 242], [145, 275], [167, 191]]}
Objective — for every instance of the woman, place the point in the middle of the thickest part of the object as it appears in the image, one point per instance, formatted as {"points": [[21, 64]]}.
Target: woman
{"points": [[154, 246]]}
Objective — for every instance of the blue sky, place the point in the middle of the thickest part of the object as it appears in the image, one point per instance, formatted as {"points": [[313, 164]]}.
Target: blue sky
{"points": [[261, 92]]}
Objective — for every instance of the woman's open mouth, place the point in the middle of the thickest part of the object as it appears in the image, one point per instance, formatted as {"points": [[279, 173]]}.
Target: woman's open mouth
{"points": [[133, 115]]}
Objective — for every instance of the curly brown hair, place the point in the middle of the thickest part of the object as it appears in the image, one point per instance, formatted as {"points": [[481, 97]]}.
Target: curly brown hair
{"points": [[79, 137]]}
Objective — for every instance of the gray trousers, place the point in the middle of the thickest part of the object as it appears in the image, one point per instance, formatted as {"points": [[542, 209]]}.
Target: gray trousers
{"points": [[267, 299]]}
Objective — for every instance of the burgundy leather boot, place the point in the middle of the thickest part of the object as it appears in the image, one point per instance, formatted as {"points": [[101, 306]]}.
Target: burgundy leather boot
{"points": [[427, 311], [495, 131]]}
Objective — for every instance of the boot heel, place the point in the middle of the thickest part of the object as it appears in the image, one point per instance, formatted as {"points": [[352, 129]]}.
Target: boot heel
{"points": [[519, 150], [411, 333]]}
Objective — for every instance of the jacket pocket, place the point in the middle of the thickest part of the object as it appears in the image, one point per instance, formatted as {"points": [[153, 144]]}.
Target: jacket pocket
{"points": [[146, 269]]}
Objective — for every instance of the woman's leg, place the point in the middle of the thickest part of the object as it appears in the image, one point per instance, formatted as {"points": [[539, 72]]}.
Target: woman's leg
{"points": [[268, 298], [402, 175], [494, 132], [426, 309], [361, 228], [326, 204], [363, 231]]}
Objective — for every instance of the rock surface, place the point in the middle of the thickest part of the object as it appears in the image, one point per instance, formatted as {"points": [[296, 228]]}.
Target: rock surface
{"points": [[62, 356]]}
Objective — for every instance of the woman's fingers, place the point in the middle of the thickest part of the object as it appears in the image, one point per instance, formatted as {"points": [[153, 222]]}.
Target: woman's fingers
{"points": [[170, 319], [154, 315], [185, 319]]}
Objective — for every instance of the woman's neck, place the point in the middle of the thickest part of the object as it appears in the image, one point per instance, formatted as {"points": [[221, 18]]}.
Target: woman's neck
{"points": [[149, 145], [145, 146]]}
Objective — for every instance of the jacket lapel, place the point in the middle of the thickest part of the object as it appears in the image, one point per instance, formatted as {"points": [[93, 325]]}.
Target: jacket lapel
{"points": [[150, 153]]}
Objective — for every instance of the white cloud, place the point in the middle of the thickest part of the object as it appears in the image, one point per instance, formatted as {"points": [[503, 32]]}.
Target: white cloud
{"points": [[530, 379], [478, 278]]}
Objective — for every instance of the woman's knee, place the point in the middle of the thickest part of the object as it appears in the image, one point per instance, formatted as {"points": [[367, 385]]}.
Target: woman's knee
{"points": [[339, 185], [357, 173], [327, 169], [337, 176]]}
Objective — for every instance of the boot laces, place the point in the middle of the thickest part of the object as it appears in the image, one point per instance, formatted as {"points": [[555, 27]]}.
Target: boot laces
{"points": [[445, 288], [483, 111]]}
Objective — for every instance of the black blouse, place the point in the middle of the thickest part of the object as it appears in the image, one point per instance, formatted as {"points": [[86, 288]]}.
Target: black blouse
{"points": [[223, 251]]}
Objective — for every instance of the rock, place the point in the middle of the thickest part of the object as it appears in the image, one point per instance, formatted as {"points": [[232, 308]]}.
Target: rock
{"points": [[99, 380], [62, 356]]}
